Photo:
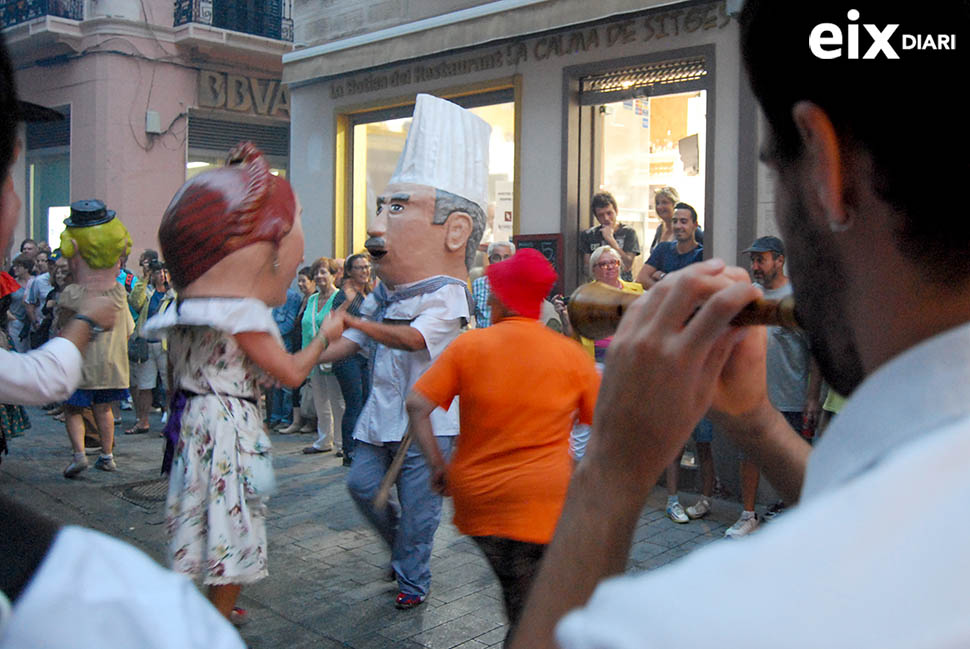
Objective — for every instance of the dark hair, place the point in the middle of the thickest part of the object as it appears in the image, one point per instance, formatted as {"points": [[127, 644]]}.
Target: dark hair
{"points": [[224, 210], [25, 242], [9, 111], [349, 262], [149, 255], [866, 104], [23, 260], [687, 206], [601, 200], [307, 272]]}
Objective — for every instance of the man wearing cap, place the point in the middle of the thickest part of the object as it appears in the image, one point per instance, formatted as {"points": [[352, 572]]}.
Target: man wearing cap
{"points": [[423, 238], [94, 241], [521, 388], [793, 377]]}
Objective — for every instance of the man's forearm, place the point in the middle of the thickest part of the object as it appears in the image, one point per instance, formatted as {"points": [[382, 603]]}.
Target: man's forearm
{"points": [[338, 350], [390, 335], [769, 441], [592, 542]]}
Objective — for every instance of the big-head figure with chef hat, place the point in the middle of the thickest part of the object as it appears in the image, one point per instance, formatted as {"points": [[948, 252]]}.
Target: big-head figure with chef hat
{"points": [[423, 237], [431, 216]]}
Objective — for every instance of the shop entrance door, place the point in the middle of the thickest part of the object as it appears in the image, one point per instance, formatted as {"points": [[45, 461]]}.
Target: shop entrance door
{"points": [[643, 144], [642, 128]]}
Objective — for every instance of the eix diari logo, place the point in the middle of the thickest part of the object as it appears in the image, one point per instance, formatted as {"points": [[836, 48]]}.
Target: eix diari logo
{"points": [[827, 39]]}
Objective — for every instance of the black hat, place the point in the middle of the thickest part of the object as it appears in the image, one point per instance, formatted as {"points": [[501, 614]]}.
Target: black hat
{"points": [[766, 244], [87, 213]]}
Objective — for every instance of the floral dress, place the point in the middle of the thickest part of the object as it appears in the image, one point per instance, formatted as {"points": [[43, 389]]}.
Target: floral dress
{"points": [[222, 471]]}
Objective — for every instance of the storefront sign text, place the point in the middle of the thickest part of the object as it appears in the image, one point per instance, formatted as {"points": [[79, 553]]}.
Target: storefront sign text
{"points": [[242, 94], [654, 27]]}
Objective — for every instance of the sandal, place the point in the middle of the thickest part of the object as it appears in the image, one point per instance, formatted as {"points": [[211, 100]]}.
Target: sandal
{"points": [[135, 430]]}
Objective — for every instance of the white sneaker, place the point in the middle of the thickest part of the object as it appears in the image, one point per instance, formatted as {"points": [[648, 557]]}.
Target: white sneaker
{"points": [[164, 417], [742, 527], [75, 467], [676, 513], [700, 509], [127, 405]]}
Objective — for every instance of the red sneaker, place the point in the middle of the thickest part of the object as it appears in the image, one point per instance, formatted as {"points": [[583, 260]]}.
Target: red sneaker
{"points": [[405, 601]]}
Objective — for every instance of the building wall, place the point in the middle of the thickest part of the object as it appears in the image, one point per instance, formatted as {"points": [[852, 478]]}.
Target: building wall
{"points": [[318, 21], [121, 66], [541, 198]]}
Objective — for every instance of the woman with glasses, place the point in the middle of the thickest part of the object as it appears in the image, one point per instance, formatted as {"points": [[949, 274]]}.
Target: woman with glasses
{"points": [[353, 373], [604, 267]]}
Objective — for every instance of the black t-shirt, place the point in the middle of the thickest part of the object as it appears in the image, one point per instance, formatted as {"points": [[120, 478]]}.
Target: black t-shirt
{"points": [[626, 238]]}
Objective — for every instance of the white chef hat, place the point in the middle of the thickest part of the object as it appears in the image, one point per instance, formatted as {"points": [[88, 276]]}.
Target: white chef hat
{"points": [[446, 148]]}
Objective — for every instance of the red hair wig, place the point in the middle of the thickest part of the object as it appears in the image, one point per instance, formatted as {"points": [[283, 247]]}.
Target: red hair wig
{"points": [[224, 210]]}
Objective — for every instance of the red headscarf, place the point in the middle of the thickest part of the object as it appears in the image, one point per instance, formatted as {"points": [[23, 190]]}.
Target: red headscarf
{"points": [[522, 281], [8, 284]]}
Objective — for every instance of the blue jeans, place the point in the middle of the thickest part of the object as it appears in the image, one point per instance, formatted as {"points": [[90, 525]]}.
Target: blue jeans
{"points": [[281, 406], [408, 523], [354, 380]]}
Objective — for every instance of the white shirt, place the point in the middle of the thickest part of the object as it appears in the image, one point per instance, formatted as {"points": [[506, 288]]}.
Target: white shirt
{"points": [[438, 316], [49, 373], [877, 554], [95, 591]]}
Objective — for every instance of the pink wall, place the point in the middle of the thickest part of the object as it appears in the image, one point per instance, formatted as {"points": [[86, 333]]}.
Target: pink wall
{"points": [[109, 95]]}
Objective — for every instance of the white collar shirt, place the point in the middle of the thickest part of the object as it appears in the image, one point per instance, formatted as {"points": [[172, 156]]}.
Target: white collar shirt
{"points": [[439, 316], [875, 555], [94, 591]]}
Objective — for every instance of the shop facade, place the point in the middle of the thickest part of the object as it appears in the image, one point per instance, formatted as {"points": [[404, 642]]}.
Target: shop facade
{"points": [[150, 93], [622, 96]]}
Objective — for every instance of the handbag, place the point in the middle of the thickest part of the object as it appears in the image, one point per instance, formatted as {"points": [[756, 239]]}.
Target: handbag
{"points": [[137, 349]]}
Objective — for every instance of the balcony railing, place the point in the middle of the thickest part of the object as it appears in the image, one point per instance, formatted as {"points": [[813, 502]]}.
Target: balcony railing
{"points": [[267, 18], [14, 12]]}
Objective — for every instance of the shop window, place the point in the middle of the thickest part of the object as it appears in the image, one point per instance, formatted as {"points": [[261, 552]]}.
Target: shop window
{"points": [[211, 139], [48, 183], [377, 139]]}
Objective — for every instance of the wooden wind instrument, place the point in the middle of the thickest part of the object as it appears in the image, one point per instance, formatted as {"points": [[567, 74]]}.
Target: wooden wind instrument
{"points": [[595, 310]]}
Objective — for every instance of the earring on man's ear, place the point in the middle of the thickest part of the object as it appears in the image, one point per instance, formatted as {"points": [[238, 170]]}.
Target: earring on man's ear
{"points": [[276, 262]]}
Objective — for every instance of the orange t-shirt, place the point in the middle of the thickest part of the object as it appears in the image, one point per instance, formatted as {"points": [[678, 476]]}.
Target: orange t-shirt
{"points": [[521, 386]]}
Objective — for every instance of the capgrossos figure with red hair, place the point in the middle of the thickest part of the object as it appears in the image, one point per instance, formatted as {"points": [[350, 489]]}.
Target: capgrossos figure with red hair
{"points": [[232, 239]]}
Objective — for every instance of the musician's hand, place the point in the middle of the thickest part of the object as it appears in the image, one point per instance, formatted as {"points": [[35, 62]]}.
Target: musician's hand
{"points": [[741, 386], [663, 370]]}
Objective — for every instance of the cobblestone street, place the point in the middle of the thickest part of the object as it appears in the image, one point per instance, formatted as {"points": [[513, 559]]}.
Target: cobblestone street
{"points": [[326, 586]]}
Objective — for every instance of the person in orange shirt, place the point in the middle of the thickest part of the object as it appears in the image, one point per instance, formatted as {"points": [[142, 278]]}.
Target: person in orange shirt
{"points": [[521, 388]]}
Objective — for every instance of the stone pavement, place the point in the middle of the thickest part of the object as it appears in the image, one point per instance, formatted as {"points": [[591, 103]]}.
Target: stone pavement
{"points": [[326, 587]]}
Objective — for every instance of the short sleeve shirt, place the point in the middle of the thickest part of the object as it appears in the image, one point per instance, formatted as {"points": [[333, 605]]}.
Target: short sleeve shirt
{"points": [[626, 238], [666, 258], [439, 317], [521, 388], [105, 365]]}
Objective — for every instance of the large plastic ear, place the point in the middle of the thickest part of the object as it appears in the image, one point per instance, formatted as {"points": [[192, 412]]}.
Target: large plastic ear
{"points": [[458, 228]]}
